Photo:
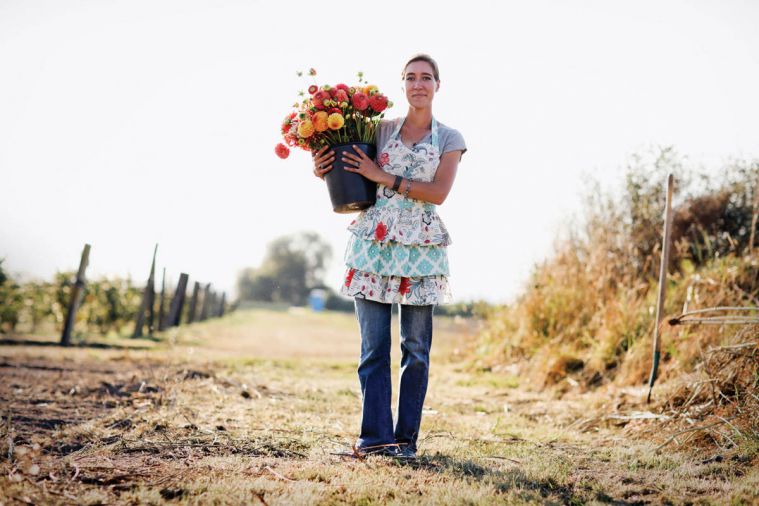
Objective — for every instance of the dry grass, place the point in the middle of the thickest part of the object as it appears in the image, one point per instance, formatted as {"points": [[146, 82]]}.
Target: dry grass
{"points": [[201, 418]]}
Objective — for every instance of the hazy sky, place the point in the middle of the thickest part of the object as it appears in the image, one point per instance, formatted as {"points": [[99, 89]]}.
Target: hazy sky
{"points": [[125, 123]]}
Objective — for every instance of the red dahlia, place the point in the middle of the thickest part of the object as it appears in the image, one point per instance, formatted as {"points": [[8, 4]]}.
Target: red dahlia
{"points": [[360, 101], [378, 102], [282, 150]]}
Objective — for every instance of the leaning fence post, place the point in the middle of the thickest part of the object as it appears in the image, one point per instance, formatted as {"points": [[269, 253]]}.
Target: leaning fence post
{"points": [[662, 286], [175, 310], [76, 297], [148, 296], [193, 303]]}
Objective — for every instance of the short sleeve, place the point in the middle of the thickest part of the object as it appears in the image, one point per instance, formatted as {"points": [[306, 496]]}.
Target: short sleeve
{"points": [[382, 134], [453, 141]]}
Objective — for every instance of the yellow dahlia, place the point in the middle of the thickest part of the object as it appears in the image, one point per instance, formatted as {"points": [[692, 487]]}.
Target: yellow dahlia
{"points": [[320, 121], [306, 129], [335, 121]]}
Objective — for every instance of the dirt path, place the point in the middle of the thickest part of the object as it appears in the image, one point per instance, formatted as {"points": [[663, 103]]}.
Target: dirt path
{"points": [[259, 407]]}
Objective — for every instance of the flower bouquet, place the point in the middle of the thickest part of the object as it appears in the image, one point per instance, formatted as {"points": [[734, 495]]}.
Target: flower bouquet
{"points": [[340, 117]]}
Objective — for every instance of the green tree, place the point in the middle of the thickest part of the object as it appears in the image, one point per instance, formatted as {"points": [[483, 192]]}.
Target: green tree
{"points": [[11, 302], [293, 265]]}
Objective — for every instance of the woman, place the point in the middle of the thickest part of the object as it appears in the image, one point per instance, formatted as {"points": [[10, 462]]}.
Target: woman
{"points": [[397, 254]]}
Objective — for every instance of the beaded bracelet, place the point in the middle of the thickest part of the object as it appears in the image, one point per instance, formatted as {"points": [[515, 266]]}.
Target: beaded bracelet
{"points": [[397, 183], [408, 188]]}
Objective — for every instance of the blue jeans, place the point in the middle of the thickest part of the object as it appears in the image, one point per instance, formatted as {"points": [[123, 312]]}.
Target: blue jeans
{"points": [[374, 372]]}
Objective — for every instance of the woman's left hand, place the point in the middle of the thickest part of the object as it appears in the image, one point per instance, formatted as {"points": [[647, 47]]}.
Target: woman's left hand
{"points": [[360, 163]]}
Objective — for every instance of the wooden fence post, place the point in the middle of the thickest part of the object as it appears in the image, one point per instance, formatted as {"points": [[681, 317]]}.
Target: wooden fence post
{"points": [[662, 286], [148, 296], [221, 304], [193, 303], [76, 297], [205, 306], [177, 302], [754, 216], [212, 305], [161, 312]]}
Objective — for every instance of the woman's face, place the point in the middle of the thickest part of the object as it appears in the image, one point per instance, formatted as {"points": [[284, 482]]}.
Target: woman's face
{"points": [[420, 84]]}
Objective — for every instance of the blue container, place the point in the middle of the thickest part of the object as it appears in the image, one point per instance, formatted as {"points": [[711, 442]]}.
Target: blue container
{"points": [[317, 299]]}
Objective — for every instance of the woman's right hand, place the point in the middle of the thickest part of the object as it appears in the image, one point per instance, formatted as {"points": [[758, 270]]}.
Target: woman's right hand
{"points": [[323, 161]]}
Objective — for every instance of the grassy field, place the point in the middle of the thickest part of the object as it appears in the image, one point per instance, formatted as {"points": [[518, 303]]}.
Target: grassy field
{"points": [[262, 407]]}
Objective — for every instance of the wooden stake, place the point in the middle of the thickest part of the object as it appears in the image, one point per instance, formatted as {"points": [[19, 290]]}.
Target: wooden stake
{"points": [[754, 216], [193, 303], [662, 285], [206, 306], [212, 304], [161, 313], [175, 311], [148, 296], [77, 291], [221, 304]]}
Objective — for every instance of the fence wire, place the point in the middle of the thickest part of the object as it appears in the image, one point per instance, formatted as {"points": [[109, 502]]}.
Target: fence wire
{"points": [[733, 316]]}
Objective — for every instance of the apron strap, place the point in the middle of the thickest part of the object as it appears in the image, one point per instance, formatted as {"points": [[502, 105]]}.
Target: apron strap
{"points": [[435, 136], [397, 128]]}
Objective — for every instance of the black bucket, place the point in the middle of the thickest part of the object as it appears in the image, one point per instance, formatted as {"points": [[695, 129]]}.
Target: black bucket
{"points": [[348, 191]]}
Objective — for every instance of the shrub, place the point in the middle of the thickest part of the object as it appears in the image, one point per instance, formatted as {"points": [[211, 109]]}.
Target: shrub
{"points": [[592, 302]]}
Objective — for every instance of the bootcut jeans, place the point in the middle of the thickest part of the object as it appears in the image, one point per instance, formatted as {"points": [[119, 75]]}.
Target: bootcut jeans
{"points": [[374, 373]]}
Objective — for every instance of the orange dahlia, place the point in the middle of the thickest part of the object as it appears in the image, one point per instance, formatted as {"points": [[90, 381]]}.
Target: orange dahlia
{"points": [[306, 129], [320, 121], [335, 121]]}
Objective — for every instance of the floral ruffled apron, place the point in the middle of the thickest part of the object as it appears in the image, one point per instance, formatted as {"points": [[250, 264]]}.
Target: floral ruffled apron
{"points": [[397, 249]]}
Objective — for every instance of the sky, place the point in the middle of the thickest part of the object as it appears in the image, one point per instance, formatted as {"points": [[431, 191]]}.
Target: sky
{"points": [[129, 123]]}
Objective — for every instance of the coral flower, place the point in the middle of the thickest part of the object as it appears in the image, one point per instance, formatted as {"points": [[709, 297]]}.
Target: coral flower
{"points": [[370, 89], [360, 101], [320, 121], [306, 129], [378, 102], [381, 231], [335, 121], [282, 150]]}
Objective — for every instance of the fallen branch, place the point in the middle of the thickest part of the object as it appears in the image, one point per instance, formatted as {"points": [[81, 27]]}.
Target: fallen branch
{"points": [[275, 473], [502, 458], [693, 429]]}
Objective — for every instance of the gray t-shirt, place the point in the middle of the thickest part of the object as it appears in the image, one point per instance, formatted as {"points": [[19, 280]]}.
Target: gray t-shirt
{"points": [[448, 138]]}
